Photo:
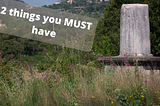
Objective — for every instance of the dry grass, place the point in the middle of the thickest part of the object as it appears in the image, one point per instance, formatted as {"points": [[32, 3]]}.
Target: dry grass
{"points": [[100, 91]]}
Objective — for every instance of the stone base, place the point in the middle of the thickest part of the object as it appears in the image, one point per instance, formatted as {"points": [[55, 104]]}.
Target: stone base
{"points": [[131, 58], [147, 64]]}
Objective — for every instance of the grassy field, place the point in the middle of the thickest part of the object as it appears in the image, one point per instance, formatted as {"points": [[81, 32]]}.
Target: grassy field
{"points": [[22, 84]]}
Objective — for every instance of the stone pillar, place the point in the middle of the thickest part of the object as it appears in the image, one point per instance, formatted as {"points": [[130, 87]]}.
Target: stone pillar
{"points": [[135, 30]]}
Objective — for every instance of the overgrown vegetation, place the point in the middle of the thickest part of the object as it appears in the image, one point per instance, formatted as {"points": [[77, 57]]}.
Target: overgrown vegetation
{"points": [[33, 73], [21, 83]]}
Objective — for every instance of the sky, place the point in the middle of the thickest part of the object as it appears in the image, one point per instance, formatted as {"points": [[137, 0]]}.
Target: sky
{"points": [[39, 2]]}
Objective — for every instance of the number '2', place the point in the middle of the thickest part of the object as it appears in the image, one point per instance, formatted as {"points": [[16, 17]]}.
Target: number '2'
{"points": [[4, 10]]}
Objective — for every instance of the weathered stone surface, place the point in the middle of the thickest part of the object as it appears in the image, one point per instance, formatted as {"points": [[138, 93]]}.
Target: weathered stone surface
{"points": [[135, 30]]}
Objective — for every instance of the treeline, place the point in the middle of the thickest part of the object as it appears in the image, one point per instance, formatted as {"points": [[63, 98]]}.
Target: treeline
{"points": [[15, 46]]}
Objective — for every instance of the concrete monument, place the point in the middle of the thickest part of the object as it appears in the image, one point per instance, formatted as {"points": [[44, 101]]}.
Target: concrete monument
{"points": [[134, 39], [135, 30]]}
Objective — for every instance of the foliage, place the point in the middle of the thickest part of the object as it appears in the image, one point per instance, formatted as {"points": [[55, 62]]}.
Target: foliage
{"points": [[11, 47], [123, 98], [107, 32], [154, 12], [133, 96], [7, 69], [93, 88]]}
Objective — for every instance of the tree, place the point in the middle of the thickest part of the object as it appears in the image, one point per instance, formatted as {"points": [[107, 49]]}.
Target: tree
{"points": [[11, 47], [107, 32], [154, 12]]}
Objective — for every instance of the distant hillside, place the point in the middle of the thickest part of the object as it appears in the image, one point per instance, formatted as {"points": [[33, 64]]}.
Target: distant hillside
{"points": [[83, 7]]}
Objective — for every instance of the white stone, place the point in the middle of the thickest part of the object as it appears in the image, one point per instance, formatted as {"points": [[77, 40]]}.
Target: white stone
{"points": [[135, 30]]}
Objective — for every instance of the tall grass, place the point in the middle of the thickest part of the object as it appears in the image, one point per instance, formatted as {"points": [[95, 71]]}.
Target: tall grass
{"points": [[82, 85]]}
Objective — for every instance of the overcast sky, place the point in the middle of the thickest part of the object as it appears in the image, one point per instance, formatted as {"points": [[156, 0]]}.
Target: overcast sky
{"points": [[39, 2]]}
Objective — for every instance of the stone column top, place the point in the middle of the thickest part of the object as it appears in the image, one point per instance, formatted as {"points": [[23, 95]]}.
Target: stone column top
{"points": [[135, 4], [128, 6]]}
